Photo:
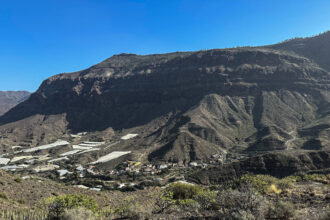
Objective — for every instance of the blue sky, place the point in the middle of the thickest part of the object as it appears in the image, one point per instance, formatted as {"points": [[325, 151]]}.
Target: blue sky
{"points": [[40, 38]]}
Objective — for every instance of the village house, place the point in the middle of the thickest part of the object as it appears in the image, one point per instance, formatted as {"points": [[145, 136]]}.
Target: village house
{"points": [[163, 166], [193, 164]]}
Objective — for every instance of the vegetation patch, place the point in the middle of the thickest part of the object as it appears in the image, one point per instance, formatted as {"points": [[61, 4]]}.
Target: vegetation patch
{"points": [[249, 197], [266, 184], [321, 178], [3, 195], [57, 205], [18, 180], [187, 197], [245, 202]]}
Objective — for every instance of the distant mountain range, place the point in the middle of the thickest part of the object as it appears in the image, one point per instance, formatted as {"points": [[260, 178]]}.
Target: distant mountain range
{"points": [[9, 99], [187, 106]]}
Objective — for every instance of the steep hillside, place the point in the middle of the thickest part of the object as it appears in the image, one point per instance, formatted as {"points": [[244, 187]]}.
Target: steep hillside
{"points": [[10, 99], [315, 48], [184, 106]]}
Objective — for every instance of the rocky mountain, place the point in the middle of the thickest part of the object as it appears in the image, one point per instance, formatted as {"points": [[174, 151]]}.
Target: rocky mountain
{"points": [[187, 106], [10, 99]]}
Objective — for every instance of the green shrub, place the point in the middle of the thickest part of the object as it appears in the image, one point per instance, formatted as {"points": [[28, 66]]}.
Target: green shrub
{"points": [[3, 195], [322, 178], [179, 196], [206, 199], [186, 197], [21, 201], [188, 205], [265, 183], [18, 180], [181, 191], [58, 204], [260, 182], [316, 177], [285, 183]]}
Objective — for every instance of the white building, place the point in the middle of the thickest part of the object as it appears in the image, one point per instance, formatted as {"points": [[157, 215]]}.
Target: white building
{"points": [[193, 164], [4, 161]]}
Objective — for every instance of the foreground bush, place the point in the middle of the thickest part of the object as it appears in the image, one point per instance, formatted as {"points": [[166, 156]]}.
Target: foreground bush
{"points": [[182, 191], [281, 210], [206, 199], [131, 207], [60, 204], [245, 203], [3, 195], [181, 196], [266, 184], [77, 214]]}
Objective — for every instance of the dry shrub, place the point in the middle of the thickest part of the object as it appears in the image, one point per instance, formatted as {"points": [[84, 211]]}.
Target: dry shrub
{"points": [[281, 210], [326, 215], [77, 214], [59, 204], [245, 203]]}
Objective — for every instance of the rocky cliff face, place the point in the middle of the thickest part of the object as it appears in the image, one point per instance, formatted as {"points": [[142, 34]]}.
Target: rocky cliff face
{"points": [[185, 106], [10, 99]]}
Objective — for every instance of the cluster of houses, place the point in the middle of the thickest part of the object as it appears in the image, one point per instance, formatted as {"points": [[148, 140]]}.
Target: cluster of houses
{"points": [[32, 160], [153, 169]]}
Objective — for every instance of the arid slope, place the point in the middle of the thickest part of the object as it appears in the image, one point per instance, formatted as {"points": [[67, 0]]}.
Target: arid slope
{"points": [[10, 99]]}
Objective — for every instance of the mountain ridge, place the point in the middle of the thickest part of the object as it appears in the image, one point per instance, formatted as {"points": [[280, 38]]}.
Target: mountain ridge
{"points": [[188, 105]]}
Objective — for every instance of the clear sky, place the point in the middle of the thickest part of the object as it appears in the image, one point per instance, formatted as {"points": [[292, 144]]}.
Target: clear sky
{"points": [[40, 38]]}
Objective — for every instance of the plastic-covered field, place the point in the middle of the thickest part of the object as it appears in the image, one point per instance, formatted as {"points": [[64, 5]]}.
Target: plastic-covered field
{"points": [[47, 146], [111, 156], [128, 136]]}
